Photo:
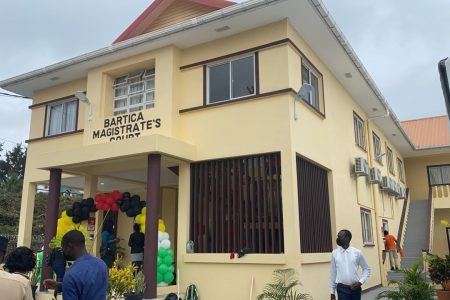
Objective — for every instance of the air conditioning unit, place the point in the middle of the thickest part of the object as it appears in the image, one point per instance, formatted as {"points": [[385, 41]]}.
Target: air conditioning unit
{"points": [[375, 176], [361, 167], [394, 187], [385, 183], [402, 194]]}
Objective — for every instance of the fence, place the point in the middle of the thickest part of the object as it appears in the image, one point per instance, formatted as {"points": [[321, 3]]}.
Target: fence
{"points": [[37, 241]]}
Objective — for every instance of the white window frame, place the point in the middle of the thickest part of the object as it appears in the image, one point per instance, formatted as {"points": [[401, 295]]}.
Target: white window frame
{"points": [[366, 226], [208, 68], [360, 131], [401, 169], [48, 116], [144, 76], [390, 160], [377, 148], [313, 93], [439, 175]]}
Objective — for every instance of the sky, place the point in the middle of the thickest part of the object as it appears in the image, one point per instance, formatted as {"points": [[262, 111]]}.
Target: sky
{"points": [[399, 43]]}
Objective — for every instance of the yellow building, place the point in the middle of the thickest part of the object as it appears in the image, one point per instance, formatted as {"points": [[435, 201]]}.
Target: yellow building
{"points": [[195, 108]]}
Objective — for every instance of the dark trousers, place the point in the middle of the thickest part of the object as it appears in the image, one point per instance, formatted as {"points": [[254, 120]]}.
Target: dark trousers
{"points": [[346, 293]]}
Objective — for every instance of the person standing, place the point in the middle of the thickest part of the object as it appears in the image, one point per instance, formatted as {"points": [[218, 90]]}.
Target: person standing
{"points": [[391, 245], [15, 286], [136, 243], [345, 262], [109, 241], [87, 278]]}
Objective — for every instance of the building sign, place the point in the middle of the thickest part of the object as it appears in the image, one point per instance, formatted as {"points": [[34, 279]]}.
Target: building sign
{"points": [[125, 127]]}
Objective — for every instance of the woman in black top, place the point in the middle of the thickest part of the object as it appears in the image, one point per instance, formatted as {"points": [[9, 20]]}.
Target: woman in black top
{"points": [[136, 243]]}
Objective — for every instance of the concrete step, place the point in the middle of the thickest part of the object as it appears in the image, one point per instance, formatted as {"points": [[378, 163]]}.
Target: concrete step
{"points": [[400, 276]]}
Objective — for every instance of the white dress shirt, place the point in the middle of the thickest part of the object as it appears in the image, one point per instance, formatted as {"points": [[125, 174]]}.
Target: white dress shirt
{"points": [[344, 267]]}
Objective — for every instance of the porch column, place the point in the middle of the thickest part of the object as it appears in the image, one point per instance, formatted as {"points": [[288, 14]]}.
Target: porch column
{"points": [[51, 219], [151, 225], [26, 214]]}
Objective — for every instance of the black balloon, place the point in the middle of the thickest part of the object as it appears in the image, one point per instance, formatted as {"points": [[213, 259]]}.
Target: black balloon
{"points": [[76, 220], [90, 202], [135, 201], [143, 204], [93, 208], [76, 205], [126, 205], [69, 212], [77, 212], [126, 195], [83, 202], [129, 213], [120, 202]]}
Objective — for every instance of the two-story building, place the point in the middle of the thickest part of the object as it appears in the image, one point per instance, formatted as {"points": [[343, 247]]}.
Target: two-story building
{"points": [[195, 108]]}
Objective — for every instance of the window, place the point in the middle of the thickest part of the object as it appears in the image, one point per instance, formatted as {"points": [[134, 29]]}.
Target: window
{"points": [[231, 80], [439, 175], [62, 117], [134, 92], [401, 170], [390, 160], [360, 137], [310, 76], [385, 226], [314, 208], [377, 148], [366, 223], [236, 203]]}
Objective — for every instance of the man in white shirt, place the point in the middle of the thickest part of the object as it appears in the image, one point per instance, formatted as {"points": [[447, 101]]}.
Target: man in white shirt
{"points": [[345, 262]]}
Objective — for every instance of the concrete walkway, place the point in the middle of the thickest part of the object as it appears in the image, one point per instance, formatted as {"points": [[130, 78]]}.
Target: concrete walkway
{"points": [[372, 294]]}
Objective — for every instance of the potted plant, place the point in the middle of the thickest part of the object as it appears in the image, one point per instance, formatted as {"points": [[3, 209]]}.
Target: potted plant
{"points": [[34, 280], [284, 287], [439, 269], [413, 287], [120, 281], [139, 286]]}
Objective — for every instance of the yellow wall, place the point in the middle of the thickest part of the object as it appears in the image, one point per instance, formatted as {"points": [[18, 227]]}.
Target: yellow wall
{"points": [[416, 173], [440, 243]]}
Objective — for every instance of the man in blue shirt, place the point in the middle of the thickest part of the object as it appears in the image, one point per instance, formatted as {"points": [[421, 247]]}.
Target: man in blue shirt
{"points": [[87, 278]]}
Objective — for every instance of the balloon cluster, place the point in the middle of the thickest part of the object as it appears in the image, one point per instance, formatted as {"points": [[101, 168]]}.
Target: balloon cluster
{"points": [[108, 201], [140, 219], [131, 205], [165, 267], [80, 210], [64, 225]]}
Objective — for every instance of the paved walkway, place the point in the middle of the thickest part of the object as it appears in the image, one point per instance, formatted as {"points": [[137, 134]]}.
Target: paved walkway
{"points": [[371, 295]]}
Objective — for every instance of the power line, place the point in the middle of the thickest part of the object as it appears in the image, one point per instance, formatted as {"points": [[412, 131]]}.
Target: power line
{"points": [[9, 141], [14, 96]]}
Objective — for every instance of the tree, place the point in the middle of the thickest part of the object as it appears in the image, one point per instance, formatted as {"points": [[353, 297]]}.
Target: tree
{"points": [[12, 169]]}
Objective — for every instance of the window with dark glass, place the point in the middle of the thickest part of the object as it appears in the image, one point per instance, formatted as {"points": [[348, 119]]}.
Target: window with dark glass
{"points": [[439, 175], [236, 203], [231, 80]]}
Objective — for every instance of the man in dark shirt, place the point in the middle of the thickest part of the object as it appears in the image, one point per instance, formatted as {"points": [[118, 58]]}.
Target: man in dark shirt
{"points": [[87, 278]]}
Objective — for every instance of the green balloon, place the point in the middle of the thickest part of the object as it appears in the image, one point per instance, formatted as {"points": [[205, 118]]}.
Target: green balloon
{"points": [[159, 277], [160, 261], [168, 278], [163, 268], [170, 252], [171, 269], [162, 252], [167, 260]]}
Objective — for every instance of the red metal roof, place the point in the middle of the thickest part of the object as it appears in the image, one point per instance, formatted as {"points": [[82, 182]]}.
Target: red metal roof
{"points": [[155, 10], [428, 132]]}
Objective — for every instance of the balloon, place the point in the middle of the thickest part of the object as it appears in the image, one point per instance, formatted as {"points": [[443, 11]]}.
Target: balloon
{"points": [[143, 204], [69, 212], [160, 236], [163, 268], [165, 244], [167, 260], [170, 252], [135, 201], [165, 236], [138, 219], [161, 227], [126, 195], [90, 202], [144, 211], [159, 260], [143, 228], [116, 195], [162, 252], [64, 214], [76, 220], [162, 284], [159, 277], [168, 277], [115, 207], [93, 208], [129, 213], [160, 221], [171, 269]]}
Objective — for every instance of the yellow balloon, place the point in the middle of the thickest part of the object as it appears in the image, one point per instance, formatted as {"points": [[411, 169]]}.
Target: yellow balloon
{"points": [[444, 222], [143, 228], [144, 211], [64, 214], [138, 219], [162, 227]]}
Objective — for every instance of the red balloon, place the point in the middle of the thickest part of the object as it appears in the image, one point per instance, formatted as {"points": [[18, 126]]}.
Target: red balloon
{"points": [[114, 207], [98, 197], [110, 199], [116, 195]]}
